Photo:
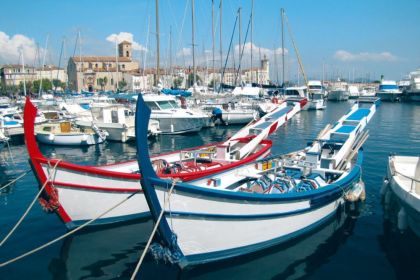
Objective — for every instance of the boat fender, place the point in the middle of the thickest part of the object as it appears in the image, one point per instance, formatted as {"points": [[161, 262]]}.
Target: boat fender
{"points": [[84, 138], [402, 219], [384, 187], [51, 137]]}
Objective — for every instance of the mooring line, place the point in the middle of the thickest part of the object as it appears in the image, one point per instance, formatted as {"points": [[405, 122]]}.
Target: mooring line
{"points": [[15, 180], [146, 248], [30, 206], [68, 233]]}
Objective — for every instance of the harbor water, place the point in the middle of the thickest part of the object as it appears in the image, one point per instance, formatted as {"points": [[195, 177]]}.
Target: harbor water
{"points": [[361, 243]]}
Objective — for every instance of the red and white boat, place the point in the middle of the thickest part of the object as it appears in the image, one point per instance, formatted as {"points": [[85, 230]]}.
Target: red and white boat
{"points": [[82, 193]]}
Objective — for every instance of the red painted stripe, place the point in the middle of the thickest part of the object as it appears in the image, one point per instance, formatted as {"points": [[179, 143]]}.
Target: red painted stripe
{"points": [[96, 188]]}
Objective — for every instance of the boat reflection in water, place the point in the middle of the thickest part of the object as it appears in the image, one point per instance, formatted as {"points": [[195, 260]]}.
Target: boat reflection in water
{"points": [[399, 243], [113, 252]]}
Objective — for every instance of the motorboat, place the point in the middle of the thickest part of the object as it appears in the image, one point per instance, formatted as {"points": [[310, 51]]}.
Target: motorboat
{"points": [[316, 95], [389, 91], [291, 93], [171, 117], [339, 91], [353, 92], [255, 206], [66, 134], [73, 186], [403, 180], [368, 91], [413, 91]]}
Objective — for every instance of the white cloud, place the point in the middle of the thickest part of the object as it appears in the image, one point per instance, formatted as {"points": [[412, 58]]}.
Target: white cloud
{"points": [[10, 48], [126, 36], [364, 56], [184, 52], [257, 50]]}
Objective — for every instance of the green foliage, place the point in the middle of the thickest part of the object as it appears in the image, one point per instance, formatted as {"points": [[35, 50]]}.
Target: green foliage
{"points": [[102, 82], [178, 82], [46, 85], [190, 80], [122, 84]]}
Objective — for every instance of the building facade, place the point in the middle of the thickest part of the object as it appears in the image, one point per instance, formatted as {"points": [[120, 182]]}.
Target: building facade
{"points": [[14, 74], [94, 73]]}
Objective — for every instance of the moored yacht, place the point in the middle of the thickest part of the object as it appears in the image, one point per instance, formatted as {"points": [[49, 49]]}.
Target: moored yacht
{"points": [[316, 95], [389, 91], [413, 91], [339, 91], [171, 117]]}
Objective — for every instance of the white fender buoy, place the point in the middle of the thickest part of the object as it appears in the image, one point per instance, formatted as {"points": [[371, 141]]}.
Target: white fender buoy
{"points": [[384, 187], [84, 138], [51, 137], [402, 219]]}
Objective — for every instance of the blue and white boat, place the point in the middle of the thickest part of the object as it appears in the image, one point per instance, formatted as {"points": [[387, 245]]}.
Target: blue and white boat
{"points": [[258, 205], [389, 91]]}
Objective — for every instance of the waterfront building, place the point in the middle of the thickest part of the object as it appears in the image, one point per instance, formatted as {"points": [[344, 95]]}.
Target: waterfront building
{"points": [[94, 73], [14, 74]]}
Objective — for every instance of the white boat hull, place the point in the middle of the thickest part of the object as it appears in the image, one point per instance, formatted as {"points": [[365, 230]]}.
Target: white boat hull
{"points": [[338, 95], [401, 172], [78, 139], [389, 96], [116, 131]]}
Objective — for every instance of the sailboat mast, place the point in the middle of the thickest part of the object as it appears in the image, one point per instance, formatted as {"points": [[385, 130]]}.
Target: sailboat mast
{"points": [[220, 39], [23, 71], [252, 32], [282, 45], [240, 45], [157, 44], [193, 43], [59, 62], [212, 37], [43, 63], [116, 59]]}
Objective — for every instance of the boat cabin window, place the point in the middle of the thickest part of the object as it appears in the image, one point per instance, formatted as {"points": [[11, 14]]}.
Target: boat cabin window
{"points": [[315, 87], [152, 105], [114, 116], [166, 104]]}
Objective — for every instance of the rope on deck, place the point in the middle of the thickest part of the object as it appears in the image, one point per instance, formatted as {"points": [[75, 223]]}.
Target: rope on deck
{"points": [[15, 180], [31, 205], [146, 248], [68, 233]]}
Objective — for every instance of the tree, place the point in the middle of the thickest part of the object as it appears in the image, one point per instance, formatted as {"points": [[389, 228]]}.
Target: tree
{"points": [[28, 86], [178, 82], [102, 82], [190, 80], [122, 84], [46, 85], [213, 83]]}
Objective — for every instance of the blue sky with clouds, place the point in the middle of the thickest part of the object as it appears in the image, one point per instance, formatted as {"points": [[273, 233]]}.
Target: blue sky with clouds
{"points": [[349, 37]]}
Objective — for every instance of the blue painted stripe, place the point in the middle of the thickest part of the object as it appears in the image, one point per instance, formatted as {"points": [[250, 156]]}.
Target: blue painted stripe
{"points": [[345, 129], [359, 114]]}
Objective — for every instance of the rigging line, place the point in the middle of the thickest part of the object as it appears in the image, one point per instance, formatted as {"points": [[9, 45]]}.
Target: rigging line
{"points": [[296, 49], [227, 56], [16, 179], [146, 248], [30, 205], [68, 233], [242, 50]]}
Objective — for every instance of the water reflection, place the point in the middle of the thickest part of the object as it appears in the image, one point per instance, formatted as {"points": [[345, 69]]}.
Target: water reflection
{"points": [[402, 248]]}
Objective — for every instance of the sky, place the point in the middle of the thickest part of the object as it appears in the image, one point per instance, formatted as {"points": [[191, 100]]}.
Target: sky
{"points": [[341, 38]]}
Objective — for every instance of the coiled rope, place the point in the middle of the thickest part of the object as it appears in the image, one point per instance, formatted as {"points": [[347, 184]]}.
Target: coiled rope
{"points": [[31, 205], [146, 248], [15, 180]]}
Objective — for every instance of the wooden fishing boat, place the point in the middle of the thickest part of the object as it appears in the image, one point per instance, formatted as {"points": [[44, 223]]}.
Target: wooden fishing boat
{"points": [[80, 193], [66, 134], [257, 205]]}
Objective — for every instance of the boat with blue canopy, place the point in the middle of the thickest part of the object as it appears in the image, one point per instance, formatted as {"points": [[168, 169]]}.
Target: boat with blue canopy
{"points": [[257, 205]]}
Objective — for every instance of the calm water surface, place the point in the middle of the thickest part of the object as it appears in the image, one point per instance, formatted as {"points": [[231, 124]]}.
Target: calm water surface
{"points": [[359, 245]]}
